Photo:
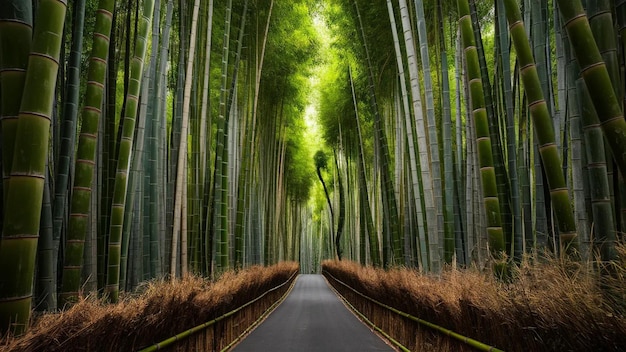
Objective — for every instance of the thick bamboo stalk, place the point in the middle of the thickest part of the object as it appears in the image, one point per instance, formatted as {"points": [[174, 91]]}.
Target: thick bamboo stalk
{"points": [[18, 246], [597, 78], [16, 30], [544, 131]]}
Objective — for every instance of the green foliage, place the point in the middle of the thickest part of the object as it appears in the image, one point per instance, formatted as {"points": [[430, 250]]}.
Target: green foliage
{"points": [[299, 175], [321, 160]]}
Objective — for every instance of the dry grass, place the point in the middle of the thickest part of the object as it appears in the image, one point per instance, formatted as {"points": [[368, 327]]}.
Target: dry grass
{"points": [[162, 310], [548, 307]]}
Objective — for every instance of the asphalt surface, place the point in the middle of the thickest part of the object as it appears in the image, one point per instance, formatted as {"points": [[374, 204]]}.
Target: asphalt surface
{"points": [[312, 318]]}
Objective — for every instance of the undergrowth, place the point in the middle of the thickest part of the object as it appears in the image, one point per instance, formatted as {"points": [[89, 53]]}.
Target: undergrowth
{"points": [[163, 309], [548, 306]]}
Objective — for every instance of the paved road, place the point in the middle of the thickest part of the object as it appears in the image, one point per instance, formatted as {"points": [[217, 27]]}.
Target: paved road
{"points": [[312, 318]]}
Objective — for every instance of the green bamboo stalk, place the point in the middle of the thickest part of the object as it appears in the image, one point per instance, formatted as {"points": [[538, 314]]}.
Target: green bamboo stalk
{"points": [[229, 152], [459, 209], [124, 158], [205, 141], [502, 181], [431, 223], [140, 180], [153, 180], [535, 17], [47, 255], [16, 30], [389, 199], [603, 220], [449, 243], [219, 200], [182, 148], [577, 152], [135, 219], [433, 135], [544, 131], [363, 194], [511, 138], [601, 22], [18, 246], [597, 78], [483, 141], [86, 155], [68, 131], [413, 167]]}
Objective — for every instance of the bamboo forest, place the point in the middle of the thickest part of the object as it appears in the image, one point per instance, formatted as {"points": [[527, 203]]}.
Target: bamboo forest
{"points": [[457, 162]]}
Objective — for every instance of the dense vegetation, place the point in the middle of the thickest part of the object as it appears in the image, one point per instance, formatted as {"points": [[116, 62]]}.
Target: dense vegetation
{"points": [[157, 138], [546, 309], [160, 310]]}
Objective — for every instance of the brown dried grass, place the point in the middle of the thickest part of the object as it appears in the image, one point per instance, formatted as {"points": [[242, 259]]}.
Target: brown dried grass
{"points": [[549, 306], [162, 310]]}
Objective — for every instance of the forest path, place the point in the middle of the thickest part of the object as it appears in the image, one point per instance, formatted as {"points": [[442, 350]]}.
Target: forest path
{"points": [[312, 318]]}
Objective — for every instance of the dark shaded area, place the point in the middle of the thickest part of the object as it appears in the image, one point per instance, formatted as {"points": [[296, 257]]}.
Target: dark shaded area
{"points": [[312, 318]]}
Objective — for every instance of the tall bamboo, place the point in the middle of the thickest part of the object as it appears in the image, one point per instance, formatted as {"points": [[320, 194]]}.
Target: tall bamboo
{"points": [[427, 176], [511, 138], [433, 135], [182, 148], [68, 134], [363, 194], [389, 200], [18, 246], [449, 184], [604, 230], [544, 131], [483, 140], [86, 154], [124, 158], [16, 30], [597, 78], [413, 170], [219, 202]]}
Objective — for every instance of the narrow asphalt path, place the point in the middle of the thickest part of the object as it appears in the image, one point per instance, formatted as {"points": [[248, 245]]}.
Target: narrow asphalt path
{"points": [[312, 318]]}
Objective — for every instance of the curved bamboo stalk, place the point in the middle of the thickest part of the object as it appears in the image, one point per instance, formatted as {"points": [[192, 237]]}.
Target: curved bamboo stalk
{"points": [[18, 246], [596, 78], [544, 130]]}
